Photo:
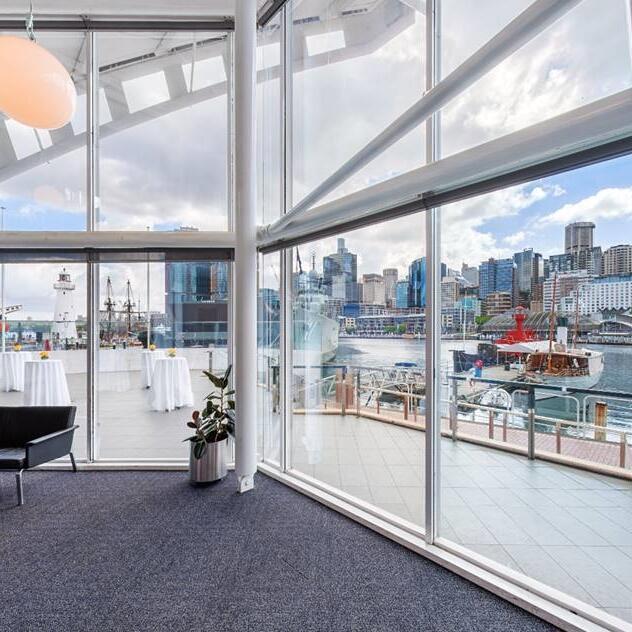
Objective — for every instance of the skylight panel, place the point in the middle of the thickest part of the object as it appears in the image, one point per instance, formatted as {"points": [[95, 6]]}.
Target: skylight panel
{"points": [[325, 42], [143, 92]]}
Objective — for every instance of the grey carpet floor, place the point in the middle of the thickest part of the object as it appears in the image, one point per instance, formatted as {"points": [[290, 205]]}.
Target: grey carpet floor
{"points": [[145, 551]]}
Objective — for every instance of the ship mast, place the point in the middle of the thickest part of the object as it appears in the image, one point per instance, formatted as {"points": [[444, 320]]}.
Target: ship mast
{"points": [[576, 328], [128, 308]]}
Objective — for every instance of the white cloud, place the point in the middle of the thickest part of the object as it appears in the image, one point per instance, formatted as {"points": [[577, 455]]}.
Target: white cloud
{"points": [[607, 203], [516, 238]]}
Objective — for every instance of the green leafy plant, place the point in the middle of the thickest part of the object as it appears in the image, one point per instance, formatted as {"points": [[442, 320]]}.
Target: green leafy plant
{"points": [[217, 420]]}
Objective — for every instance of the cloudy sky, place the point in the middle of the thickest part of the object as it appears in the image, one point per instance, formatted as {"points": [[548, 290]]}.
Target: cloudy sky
{"points": [[171, 170]]}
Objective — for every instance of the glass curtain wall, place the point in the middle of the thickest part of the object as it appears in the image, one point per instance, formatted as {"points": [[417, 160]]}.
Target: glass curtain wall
{"points": [[161, 324], [42, 172], [535, 282], [357, 353], [354, 71], [161, 163], [536, 399], [269, 388], [44, 338], [163, 133]]}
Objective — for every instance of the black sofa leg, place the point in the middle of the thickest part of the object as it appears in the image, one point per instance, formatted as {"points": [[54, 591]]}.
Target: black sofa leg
{"points": [[18, 481], [72, 460]]}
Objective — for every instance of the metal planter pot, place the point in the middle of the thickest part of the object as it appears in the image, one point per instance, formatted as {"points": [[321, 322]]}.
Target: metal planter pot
{"points": [[211, 467]]}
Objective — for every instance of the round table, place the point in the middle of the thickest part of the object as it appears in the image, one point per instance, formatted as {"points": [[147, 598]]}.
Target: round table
{"points": [[148, 361], [171, 384], [45, 383], [12, 368]]}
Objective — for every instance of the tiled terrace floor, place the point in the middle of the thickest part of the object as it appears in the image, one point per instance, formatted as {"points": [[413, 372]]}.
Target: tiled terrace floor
{"points": [[568, 528]]}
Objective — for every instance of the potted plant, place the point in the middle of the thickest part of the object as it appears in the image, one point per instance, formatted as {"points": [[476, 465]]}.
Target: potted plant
{"points": [[213, 425]]}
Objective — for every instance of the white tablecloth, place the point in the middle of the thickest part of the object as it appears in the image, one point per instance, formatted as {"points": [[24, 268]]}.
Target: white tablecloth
{"points": [[12, 369], [171, 384], [45, 383], [148, 361]]}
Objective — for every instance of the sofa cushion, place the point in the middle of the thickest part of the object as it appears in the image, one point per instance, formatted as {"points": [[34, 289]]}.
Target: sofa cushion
{"points": [[12, 458]]}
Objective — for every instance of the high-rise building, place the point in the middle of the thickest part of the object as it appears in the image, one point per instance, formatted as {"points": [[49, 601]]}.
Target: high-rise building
{"points": [[450, 287], [564, 283], [578, 236], [390, 282], [373, 289], [558, 263], [196, 302], [342, 265], [617, 260], [417, 282], [470, 274], [401, 294], [497, 303], [529, 267], [578, 243], [496, 275], [603, 294]]}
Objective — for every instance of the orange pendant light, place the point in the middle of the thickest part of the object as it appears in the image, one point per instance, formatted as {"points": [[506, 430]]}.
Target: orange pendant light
{"points": [[35, 88]]}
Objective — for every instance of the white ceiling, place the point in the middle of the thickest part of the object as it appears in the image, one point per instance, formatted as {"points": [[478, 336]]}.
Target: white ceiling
{"points": [[146, 8]]}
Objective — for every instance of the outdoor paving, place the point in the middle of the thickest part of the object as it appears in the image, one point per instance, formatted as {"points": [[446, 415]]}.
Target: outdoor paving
{"points": [[569, 528], [127, 428]]}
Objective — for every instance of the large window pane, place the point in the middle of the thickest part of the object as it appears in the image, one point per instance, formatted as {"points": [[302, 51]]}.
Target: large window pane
{"points": [[269, 351], [43, 173], [537, 298], [582, 57], [269, 122], [45, 307], [355, 70], [358, 365], [163, 131], [146, 397]]}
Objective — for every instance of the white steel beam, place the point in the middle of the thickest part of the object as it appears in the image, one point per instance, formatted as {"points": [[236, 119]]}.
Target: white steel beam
{"points": [[531, 22], [114, 240], [245, 295], [589, 127]]}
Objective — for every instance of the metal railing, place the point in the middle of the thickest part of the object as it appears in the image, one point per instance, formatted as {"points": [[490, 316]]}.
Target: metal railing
{"points": [[525, 430]]}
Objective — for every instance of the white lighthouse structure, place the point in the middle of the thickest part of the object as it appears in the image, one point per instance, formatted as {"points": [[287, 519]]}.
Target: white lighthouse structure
{"points": [[64, 320]]}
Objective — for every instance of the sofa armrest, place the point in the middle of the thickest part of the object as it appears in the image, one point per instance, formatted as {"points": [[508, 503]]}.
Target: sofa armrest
{"points": [[49, 447]]}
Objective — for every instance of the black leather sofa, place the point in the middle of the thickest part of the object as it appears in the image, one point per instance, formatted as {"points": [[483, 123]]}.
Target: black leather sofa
{"points": [[32, 435]]}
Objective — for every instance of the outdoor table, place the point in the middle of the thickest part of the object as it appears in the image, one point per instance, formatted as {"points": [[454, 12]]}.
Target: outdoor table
{"points": [[45, 383], [171, 384], [148, 361], [12, 368]]}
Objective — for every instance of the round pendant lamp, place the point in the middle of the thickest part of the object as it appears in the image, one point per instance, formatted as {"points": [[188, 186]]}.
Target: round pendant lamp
{"points": [[35, 88]]}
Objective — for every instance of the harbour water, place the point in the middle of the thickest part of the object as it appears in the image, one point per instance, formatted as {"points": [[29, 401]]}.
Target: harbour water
{"points": [[385, 352]]}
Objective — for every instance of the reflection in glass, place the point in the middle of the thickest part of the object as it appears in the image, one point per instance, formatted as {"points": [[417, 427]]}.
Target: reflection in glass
{"points": [[43, 354], [358, 367], [163, 131], [43, 173], [536, 361], [160, 325]]}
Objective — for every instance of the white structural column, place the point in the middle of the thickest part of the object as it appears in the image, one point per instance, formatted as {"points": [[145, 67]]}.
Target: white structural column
{"points": [[245, 297]]}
